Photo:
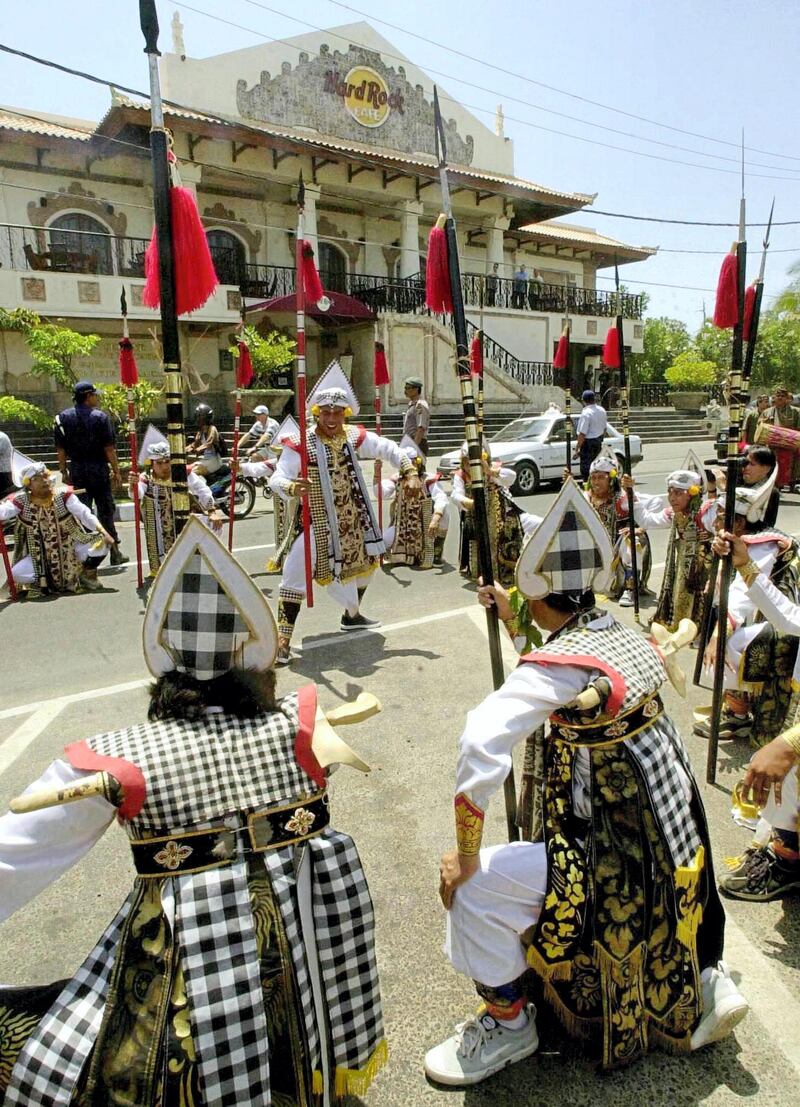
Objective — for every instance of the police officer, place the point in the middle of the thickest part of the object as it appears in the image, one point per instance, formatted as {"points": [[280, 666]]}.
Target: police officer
{"points": [[84, 436]]}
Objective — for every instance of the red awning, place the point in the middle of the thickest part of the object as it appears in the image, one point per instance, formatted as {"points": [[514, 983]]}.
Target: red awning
{"points": [[343, 308]]}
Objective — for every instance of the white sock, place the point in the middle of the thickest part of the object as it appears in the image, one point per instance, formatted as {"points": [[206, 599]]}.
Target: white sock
{"points": [[516, 1023]]}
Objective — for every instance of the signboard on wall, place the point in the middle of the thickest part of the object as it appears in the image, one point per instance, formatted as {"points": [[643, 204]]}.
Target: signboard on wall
{"points": [[351, 95]]}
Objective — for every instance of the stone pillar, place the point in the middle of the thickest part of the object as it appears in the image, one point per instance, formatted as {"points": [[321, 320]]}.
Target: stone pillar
{"points": [[374, 262], [279, 244], [409, 238], [190, 177], [495, 228], [312, 196]]}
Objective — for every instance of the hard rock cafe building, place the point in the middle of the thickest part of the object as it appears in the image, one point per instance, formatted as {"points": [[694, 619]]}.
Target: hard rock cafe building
{"points": [[348, 112]]}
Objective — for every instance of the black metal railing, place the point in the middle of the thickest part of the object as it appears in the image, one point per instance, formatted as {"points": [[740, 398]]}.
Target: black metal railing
{"points": [[526, 373], [650, 394], [534, 295]]}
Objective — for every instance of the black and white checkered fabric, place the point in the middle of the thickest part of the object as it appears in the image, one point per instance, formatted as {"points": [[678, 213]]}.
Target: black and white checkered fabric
{"points": [[197, 771], [51, 1061], [215, 932], [203, 630], [345, 929], [573, 560], [658, 750]]}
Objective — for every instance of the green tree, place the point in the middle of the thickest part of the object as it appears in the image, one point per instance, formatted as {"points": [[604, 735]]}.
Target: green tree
{"points": [[664, 339], [268, 353], [52, 348], [13, 410], [777, 354], [712, 344], [114, 399], [18, 319], [689, 374]]}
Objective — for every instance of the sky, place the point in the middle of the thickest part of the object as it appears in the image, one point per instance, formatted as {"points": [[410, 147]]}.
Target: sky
{"points": [[661, 88]]}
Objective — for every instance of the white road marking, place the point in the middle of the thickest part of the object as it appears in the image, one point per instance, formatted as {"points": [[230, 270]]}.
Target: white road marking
{"points": [[356, 634], [129, 566], [72, 697], [28, 732], [764, 990]]}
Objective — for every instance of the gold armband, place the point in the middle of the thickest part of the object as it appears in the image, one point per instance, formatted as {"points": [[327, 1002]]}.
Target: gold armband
{"points": [[792, 740], [749, 571], [469, 825], [512, 626]]}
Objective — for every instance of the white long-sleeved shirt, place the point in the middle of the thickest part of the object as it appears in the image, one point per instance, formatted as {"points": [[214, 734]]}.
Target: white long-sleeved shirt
{"points": [[40, 846], [459, 493], [196, 484], [742, 608], [778, 610], [9, 510], [373, 447], [432, 489]]}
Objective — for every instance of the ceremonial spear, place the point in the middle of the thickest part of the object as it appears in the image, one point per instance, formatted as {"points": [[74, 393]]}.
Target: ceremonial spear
{"points": [[12, 586], [129, 377], [444, 295], [614, 358], [381, 376], [178, 266], [244, 374]]}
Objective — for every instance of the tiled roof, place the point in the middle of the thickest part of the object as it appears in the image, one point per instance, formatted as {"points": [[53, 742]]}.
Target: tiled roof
{"points": [[566, 233], [314, 139], [12, 120]]}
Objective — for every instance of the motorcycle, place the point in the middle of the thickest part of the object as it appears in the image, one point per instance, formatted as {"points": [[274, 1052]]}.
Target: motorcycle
{"points": [[244, 496]]}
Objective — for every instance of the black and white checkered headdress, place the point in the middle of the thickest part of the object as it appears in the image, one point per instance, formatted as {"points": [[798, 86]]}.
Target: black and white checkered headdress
{"points": [[205, 615], [569, 551]]}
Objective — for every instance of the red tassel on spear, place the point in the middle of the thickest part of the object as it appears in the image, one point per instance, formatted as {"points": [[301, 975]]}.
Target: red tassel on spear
{"points": [[611, 354], [438, 295], [129, 377], [195, 276], [749, 307], [244, 374], [561, 356], [726, 307]]}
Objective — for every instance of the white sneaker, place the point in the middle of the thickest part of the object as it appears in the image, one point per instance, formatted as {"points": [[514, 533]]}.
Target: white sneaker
{"points": [[480, 1047], [724, 1007], [626, 599]]}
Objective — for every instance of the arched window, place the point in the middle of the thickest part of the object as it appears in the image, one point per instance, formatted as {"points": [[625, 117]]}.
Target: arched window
{"points": [[228, 255], [79, 243], [332, 267]]}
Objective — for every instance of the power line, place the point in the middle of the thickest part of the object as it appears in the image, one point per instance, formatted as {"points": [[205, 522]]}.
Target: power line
{"points": [[469, 84], [486, 111], [551, 88]]}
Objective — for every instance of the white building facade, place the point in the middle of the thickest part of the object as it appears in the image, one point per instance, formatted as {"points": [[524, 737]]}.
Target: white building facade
{"points": [[356, 119]]}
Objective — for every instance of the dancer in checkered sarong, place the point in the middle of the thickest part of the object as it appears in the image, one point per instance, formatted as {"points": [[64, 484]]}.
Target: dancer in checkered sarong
{"points": [[418, 527], [241, 968], [346, 544], [615, 910]]}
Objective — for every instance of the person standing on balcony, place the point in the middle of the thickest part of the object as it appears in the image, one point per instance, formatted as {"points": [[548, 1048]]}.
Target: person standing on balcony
{"points": [[492, 284], [87, 458], [520, 288], [591, 428], [535, 290], [418, 415]]}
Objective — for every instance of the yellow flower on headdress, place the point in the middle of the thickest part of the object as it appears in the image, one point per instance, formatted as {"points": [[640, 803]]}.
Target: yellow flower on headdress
{"points": [[348, 411], [694, 490]]}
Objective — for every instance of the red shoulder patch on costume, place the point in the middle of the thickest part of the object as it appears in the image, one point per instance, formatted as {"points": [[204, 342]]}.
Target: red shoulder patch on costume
{"points": [[432, 480], [130, 776], [292, 444], [584, 661], [304, 754], [760, 539], [361, 435]]}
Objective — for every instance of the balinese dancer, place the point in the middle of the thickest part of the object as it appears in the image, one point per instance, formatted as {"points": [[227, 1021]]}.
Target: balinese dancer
{"points": [[284, 511], [241, 967], [758, 679], [688, 549], [509, 525], [155, 498], [346, 544], [58, 542], [604, 494], [770, 867], [784, 416], [616, 910], [417, 527]]}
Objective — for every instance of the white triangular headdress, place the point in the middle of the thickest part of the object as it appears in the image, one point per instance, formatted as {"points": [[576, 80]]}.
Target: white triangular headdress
{"points": [[151, 437], [569, 551], [19, 463], [605, 462], [693, 463], [205, 615], [333, 387], [289, 428]]}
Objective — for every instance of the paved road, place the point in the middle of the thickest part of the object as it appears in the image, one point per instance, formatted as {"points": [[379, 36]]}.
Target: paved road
{"points": [[73, 666]]}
